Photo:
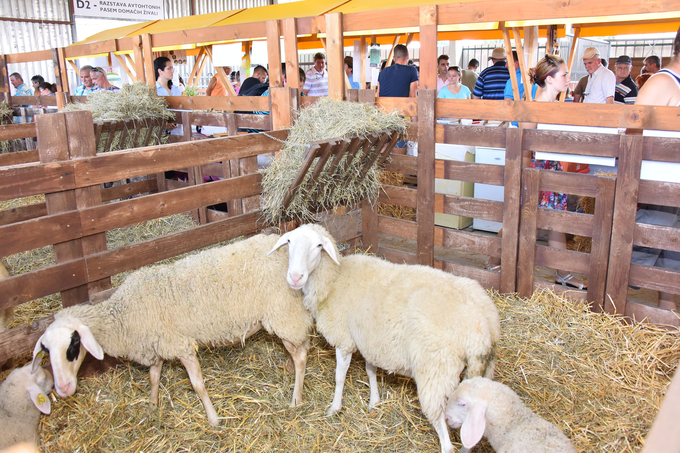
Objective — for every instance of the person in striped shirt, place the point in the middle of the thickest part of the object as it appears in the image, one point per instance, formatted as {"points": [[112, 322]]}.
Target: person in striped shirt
{"points": [[626, 90], [317, 77], [492, 80]]}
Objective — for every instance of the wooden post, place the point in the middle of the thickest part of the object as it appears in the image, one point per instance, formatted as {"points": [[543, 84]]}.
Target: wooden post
{"points": [[522, 64], [426, 148], [4, 75], [274, 53], [282, 103], [551, 33], [124, 65], [570, 60], [148, 60], [531, 44], [362, 62], [197, 63], [139, 58], [511, 208], [625, 208], [220, 72], [369, 213], [531, 179], [64, 136], [62, 70], [428, 49], [290, 44], [511, 62], [335, 56], [602, 233]]}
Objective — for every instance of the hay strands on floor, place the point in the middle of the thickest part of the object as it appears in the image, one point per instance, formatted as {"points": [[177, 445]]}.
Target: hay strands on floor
{"points": [[358, 154]]}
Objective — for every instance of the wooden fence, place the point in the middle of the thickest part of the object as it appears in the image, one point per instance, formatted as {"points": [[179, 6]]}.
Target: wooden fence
{"points": [[76, 214]]}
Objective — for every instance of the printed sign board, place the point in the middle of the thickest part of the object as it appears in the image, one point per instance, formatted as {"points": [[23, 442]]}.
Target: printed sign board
{"points": [[119, 9]]}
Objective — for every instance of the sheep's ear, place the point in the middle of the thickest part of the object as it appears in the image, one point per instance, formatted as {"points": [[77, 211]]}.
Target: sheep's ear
{"points": [[41, 401], [89, 342], [283, 240], [327, 245], [473, 427], [37, 355]]}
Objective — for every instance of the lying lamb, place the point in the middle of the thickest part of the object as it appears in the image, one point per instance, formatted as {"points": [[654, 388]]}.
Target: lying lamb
{"points": [[412, 320], [512, 427], [23, 396], [217, 297]]}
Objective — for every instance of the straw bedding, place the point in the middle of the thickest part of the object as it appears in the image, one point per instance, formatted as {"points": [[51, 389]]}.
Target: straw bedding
{"points": [[324, 120], [597, 379], [7, 117]]}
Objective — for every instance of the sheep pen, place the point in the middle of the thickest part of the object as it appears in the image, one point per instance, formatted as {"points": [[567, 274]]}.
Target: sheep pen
{"points": [[599, 380]]}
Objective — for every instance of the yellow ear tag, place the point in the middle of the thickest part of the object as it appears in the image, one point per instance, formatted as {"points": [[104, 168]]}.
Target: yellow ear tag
{"points": [[41, 399], [41, 354]]}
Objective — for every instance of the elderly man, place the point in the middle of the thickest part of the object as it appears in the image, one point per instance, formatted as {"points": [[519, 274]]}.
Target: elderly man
{"points": [[626, 90], [316, 83], [87, 85], [443, 68], [492, 80], [18, 83], [652, 65], [601, 81], [101, 81]]}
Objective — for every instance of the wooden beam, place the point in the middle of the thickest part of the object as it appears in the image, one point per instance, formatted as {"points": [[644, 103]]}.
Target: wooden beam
{"points": [[197, 77], [335, 56], [4, 77], [290, 45], [362, 62], [247, 50], [194, 70], [428, 48], [274, 53], [73, 65], [511, 62], [522, 63], [531, 45], [124, 65], [148, 60], [570, 60], [426, 158], [139, 58], [409, 38]]}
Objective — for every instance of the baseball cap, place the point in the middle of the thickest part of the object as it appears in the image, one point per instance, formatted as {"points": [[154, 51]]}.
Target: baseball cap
{"points": [[498, 54], [624, 59], [591, 52]]}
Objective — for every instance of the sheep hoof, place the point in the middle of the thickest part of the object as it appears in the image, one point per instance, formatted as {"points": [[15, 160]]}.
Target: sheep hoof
{"points": [[332, 411]]}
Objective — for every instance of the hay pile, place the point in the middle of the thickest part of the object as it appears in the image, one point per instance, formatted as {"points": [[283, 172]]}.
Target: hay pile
{"points": [[326, 119], [587, 206], [137, 101], [394, 210], [6, 117], [598, 380]]}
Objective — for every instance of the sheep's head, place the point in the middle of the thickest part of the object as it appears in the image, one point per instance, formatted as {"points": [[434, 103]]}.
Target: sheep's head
{"points": [[305, 246], [466, 409], [38, 385], [65, 341]]}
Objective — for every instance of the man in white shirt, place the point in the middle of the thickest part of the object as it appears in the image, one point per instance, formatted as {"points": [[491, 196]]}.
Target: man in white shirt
{"points": [[443, 76], [601, 81], [317, 77]]}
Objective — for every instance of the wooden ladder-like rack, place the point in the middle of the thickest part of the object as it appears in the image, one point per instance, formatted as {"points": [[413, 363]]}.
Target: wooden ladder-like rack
{"points": [[372, 150]]}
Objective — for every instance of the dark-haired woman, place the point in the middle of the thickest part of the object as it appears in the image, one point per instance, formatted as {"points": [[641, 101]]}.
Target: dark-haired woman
{"points": [[552, 77], [164, 72]]}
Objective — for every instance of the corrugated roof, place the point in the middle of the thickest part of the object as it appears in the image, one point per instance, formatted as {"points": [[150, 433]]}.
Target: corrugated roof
{"points": [[115, 33], [306, 8]]}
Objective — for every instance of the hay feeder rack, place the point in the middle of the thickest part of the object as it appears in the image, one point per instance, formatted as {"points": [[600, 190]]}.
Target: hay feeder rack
{"points": [[367, 152]]}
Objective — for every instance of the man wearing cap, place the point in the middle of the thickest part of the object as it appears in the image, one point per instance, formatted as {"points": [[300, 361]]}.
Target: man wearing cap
{"points": [[626, 89], [601, 81], [491, 82]]}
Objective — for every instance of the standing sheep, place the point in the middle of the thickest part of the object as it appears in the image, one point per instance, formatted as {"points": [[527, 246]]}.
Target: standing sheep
{"points": [[217, 297], [482, 407], [412, 320], [23, 396]]}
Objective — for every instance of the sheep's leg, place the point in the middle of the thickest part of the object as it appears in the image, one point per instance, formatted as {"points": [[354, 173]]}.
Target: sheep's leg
{"points": [[342, 365], [443, 431], [373, 384], [155, 379], [299, 355], [194, 370]]}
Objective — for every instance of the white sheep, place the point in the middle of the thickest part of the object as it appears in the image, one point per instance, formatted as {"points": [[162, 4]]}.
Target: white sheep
{"points": [[482, 407], [6, 314], [217, 297], [23, 396], [412, 320]]}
